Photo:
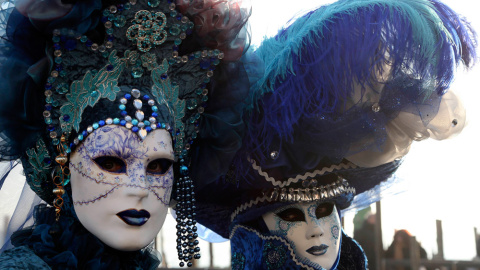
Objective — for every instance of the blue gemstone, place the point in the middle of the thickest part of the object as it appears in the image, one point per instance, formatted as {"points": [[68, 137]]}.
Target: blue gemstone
{"points": [[212, 68], [203, 85], [47, 160], [48, 107], [155, 114], [179, 17], [164, 76], [89, 43], [63, 38], [50, 127], [101, 123], [149, 129], [109, 68], [59, 68], [124, 113], [48, 86], [189, 31], [116, 121], [72, 145], [110, 38], [146, 97], [123, 122], [184, 170], [66, 118], [191, 57], [159, 125], [120, 7], [128, 96], [85, 133], [104, 19], [175, 47], [135, 129], [70, 44], [57, 46], [122, 107]]}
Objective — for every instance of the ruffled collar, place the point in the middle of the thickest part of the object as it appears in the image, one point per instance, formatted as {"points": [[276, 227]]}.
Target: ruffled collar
{"points": [[73, 247]]}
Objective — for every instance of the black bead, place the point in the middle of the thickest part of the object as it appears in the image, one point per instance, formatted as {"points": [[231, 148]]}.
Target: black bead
{"points": [[182, 264], [189, 264]]}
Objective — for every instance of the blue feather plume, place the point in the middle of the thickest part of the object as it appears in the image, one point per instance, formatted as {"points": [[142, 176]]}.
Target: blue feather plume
{"points": [[311, 67]]}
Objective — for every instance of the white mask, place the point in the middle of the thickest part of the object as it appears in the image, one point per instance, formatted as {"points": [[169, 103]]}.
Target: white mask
{"points": [[121, 185], [313, 230]]}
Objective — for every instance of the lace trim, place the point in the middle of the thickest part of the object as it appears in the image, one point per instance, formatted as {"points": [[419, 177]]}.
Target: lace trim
{"points": [[330, 169], [272, 237]]}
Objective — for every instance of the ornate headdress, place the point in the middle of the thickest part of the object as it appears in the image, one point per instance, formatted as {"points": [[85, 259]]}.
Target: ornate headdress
{"points": [[69, 69], [345, 90]]}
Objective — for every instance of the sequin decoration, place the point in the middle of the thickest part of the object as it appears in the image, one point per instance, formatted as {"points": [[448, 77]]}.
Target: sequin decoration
{"points": [[238, 261], [148, 30], [274, 256]]}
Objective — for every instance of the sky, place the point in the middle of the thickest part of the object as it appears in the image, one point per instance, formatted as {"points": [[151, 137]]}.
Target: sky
{"points": [[441, 177]]}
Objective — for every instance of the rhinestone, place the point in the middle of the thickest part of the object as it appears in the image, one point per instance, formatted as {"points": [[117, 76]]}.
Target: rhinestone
{"points": [[109, 121], [108, 24], [138, 104], [305, 183], [89, 129], [313, 182], [113, 9], [221, 55], [139, 115], [376, 107], [46, 114], [108, 44], [172, 6], [128, 118], [205, 92], [201, 110], [129, 125], [151, 102], [142, 133], [184, 19], [153, 126], [175, 54], [76, 141], [209, 73], [136, 93], [48, 93], [152, 120], [274, 155], [102, 48], [123, 101], [56, 32], [141, 125], [53, 134], [454, 122], [183, 36], [57, 53], [184, 59]]}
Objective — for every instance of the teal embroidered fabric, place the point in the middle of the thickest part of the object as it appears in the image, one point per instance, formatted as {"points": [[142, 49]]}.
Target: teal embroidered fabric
{"points": [[21, 258]]}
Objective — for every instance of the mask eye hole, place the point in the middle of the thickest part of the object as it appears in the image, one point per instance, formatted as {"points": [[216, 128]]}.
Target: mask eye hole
{"points": [[111, 164], [323, 210], [291, 215], [159, 166]]}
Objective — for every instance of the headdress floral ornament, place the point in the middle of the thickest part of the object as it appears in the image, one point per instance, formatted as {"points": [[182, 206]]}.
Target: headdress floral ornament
{"points": [[344, 91], [144, 65]]}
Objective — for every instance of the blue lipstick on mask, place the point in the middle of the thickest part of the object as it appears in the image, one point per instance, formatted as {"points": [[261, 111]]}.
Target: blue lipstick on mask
{"points": [[318, 250], [134, 217]]}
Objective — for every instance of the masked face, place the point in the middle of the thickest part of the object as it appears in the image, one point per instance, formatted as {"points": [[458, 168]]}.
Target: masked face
{"points": [[313, 230], [121, 185]]}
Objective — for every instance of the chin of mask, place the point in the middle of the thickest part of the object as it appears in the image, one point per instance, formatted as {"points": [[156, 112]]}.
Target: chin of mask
{"points": [[313, 230], [121, 185]]}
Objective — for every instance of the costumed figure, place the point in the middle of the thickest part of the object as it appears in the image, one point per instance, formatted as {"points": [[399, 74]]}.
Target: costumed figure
{"points": [[107, 105], [345, 90]]}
